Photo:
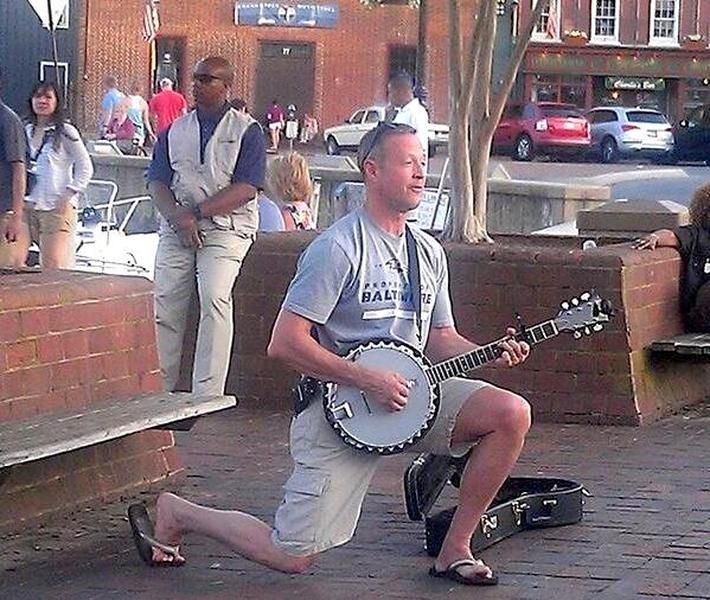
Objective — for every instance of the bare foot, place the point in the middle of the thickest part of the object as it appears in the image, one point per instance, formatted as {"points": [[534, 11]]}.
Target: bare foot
{"points": [[167, 528]]}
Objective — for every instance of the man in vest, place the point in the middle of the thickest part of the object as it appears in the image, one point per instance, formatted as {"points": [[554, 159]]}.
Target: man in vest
{"points": [[204, 176]]}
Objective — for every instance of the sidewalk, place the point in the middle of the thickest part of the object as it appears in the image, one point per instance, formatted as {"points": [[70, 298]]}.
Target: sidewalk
{"points": [[645, 533]]}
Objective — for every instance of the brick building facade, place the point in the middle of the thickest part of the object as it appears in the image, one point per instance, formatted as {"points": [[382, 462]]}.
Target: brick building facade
{"points": [[330, 70], [632, 52]]}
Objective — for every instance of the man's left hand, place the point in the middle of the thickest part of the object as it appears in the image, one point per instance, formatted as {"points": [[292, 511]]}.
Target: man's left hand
{"points": [[183, 219], [514, 352]]}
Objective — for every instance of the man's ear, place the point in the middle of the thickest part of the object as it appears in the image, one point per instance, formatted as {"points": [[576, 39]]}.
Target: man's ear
{"points": [[370, 167]]}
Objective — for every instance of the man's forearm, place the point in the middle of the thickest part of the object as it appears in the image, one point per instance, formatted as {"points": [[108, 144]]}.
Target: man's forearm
{"points": [[445, 343], [228, 199], [19, 182], [163, 198]]}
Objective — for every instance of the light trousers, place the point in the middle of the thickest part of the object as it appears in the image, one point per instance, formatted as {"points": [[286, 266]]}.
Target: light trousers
{"points": [[214, 268]]}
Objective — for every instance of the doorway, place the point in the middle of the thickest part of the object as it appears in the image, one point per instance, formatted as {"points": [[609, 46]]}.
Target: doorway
{"points": [[168, 62], [285, 72], [402, 58]]}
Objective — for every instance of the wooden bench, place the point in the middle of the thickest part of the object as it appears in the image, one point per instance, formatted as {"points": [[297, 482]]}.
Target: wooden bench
{"points": [[692, 344], [55, 433]]}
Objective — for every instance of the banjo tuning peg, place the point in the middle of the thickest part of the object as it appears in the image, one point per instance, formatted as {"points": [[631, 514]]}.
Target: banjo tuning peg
{"points": [[598, 327], [587, 331], [577, 335], [575, 302], [584, 297], [565, 306]]}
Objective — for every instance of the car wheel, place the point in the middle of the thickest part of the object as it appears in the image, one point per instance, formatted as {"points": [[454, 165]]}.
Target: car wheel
{"points": [[523, 149], [331, 146], [609, 150]]}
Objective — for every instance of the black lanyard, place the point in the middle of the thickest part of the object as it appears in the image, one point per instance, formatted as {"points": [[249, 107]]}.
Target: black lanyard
{"points": [[414, 283]]}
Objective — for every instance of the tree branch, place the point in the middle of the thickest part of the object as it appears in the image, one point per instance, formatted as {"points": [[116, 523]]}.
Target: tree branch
{"points": [[455, 81], [476, 43]]}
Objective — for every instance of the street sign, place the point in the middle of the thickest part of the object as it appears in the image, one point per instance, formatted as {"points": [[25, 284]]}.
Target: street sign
{"points": [[41, 7]]}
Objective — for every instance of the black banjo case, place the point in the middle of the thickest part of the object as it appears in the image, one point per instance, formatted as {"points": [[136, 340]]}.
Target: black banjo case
{"points": [[521, 503]]}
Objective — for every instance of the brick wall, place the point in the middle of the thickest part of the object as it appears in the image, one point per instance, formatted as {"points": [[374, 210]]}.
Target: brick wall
{"points": [[67, 341], [350, 60], [607, 378]]}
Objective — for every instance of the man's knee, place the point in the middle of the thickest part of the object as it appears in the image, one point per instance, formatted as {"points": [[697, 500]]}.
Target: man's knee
{"points": [[515, 413]]}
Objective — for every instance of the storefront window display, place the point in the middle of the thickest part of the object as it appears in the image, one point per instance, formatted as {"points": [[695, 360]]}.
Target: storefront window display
{"points": [[570, 89], [697, 93]]}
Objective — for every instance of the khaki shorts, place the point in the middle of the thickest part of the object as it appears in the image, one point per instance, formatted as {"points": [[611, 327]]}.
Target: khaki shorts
{"points": [[47, 222], [324, 495]]}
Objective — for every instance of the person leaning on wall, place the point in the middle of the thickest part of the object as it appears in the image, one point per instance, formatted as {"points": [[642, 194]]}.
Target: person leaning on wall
{"points": [[693, 243]]}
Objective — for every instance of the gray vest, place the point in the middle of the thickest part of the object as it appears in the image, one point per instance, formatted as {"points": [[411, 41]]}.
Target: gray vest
{"points": [[194, 181]]}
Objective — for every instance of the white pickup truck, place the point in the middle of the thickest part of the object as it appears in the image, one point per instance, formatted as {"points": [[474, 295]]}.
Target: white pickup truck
{"points": [[348, 135]]}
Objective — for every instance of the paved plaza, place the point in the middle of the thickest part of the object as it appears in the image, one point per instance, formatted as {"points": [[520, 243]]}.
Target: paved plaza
{"points": [[645, 532]]}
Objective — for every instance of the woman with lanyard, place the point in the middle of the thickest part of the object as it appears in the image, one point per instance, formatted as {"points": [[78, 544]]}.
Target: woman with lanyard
{"points": [[60, 168]]}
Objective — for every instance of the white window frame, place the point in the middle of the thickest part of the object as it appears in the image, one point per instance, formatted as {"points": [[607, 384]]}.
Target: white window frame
{"points": [[605, 39], [541, 36], [63, 21], [663, 41]]}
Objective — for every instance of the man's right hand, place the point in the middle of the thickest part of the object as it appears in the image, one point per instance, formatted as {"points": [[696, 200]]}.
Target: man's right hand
{"points": [[388, 388], [14, 227], [185, 224]]}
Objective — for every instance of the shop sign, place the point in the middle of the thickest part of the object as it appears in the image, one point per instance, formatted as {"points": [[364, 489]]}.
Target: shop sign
{"points": [[286, 15], [634, 83], [622, 65]]}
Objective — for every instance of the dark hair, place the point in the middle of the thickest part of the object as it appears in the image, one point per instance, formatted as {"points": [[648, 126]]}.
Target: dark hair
{"points": [[57, 118], [699, 210], [239, 104], [373, 141], [402, 79]]}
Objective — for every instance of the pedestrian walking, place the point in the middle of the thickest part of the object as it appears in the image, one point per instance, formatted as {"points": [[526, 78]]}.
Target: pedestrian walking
{"points": [[139, 114], [61, 168], [166, 106], [275, 123], [207, 167], [110, 100], [409, 110]]}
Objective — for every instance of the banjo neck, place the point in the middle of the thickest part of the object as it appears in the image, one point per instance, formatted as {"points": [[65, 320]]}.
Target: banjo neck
{"points": [[463, 363]]}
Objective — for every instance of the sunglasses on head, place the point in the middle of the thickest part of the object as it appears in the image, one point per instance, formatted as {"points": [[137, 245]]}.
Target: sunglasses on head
{"points": [[382, 128]]}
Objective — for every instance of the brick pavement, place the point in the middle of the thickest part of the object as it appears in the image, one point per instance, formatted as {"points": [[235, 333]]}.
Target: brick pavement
{"points": [[645, 534]]}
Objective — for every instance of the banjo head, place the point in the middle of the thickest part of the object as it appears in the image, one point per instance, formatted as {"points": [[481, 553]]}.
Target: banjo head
{"points": [[364, 423]]}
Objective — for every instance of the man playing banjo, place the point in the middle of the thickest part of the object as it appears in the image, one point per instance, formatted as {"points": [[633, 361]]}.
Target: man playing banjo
{"points": [[354, 284]]}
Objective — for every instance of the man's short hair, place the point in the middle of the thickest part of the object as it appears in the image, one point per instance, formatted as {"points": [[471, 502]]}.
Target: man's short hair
{"points": [[166, 82], [402, 79], [374, 140]]}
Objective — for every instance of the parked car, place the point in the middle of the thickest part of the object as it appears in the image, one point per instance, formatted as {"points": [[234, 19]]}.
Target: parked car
{"points": [[621, 132], [692, 136], [348, 135], [526, 130]]}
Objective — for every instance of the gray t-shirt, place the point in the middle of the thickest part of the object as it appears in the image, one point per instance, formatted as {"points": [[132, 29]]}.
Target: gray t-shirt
{"points": [[13, 146], [352, 281]]}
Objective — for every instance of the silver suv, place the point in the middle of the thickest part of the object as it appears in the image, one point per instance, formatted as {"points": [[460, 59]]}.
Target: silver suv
{"points": [[619, 132]]}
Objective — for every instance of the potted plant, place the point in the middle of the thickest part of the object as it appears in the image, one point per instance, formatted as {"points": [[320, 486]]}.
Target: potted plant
{"points": [[695, 41], [575, 37]]}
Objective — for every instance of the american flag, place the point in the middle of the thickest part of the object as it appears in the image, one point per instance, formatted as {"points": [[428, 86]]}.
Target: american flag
{"points": [[551, 25], [151, 21]]}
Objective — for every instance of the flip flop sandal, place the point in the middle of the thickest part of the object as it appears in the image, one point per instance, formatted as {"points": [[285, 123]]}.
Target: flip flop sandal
{"points": [[452, 573], [143, 536]]}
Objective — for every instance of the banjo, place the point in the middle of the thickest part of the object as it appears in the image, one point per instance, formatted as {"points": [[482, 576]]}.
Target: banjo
{"points": [[363, 423]]}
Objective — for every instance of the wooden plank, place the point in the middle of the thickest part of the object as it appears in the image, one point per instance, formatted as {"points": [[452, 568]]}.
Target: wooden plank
{"points": [[56, 433], [688, 343]]}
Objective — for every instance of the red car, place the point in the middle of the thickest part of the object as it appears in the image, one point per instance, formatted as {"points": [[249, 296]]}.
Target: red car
{"points": [[548, 128]]}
